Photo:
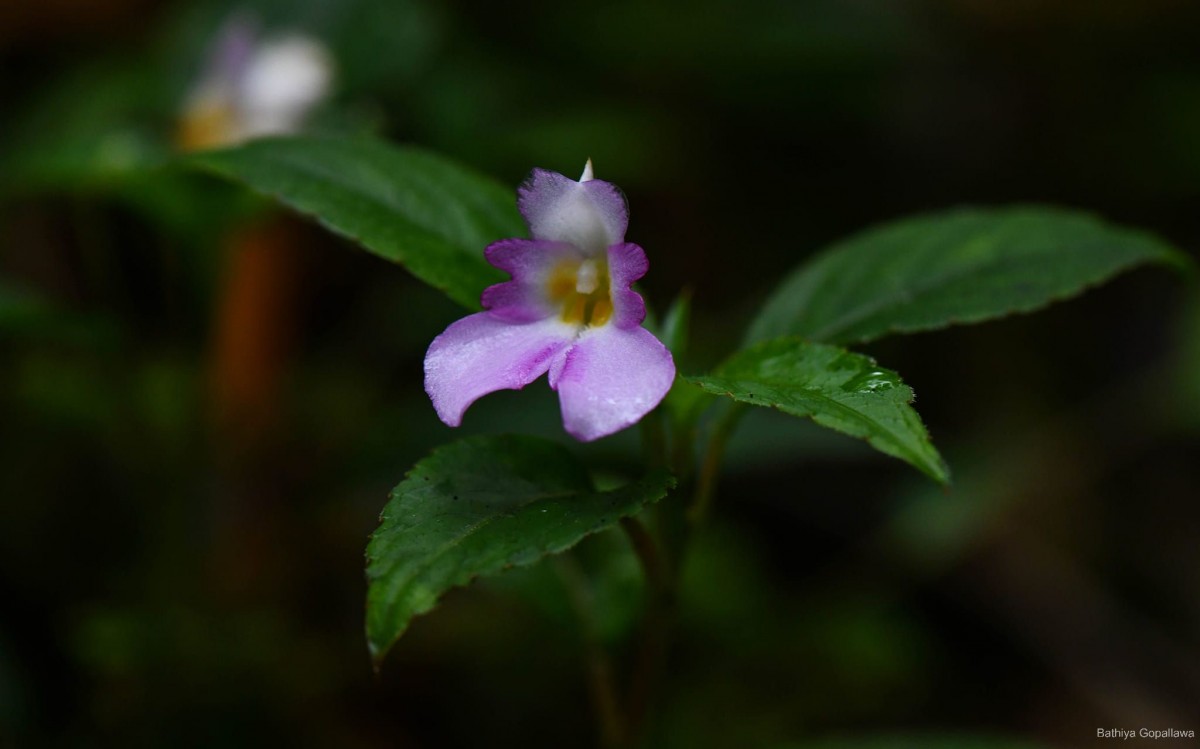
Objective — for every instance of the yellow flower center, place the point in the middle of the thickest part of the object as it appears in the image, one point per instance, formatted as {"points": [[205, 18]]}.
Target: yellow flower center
{"points": [[207, 124], [583, 291]]}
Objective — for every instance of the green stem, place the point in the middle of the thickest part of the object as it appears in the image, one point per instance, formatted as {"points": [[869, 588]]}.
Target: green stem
{"points": [[601, 684], [662, 558], [651, 658], [710, 467], [684, 432], [654, 439], [646, 550]]}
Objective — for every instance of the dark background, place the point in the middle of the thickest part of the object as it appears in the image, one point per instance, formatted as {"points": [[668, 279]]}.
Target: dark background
{"points": [[185, 508]]}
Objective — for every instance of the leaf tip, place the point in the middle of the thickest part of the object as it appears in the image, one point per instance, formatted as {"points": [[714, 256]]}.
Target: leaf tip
{"points": [[378, 653], [940, 472]]}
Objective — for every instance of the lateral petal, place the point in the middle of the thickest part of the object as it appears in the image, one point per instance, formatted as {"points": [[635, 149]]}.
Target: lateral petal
{"points": [[626, 264], [530, 262], [482, 353]]}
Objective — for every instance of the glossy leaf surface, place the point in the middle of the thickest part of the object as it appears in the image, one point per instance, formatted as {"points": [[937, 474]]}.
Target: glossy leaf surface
{"points": [[961, 266], [404, 204], [480, 506], [837, 389]]}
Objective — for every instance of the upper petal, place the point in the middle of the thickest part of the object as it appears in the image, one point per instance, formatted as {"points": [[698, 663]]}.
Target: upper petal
{"points": [[530, 263], [284, 81], [481, 354], [590, 215], [610, 379], [626, 264], [232, 50]]}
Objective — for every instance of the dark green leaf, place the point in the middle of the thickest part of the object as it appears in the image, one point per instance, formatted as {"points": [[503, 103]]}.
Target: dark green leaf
{"points": [[835, 388], [961, 266], [677, 324], [407, 205], [480, 506]]}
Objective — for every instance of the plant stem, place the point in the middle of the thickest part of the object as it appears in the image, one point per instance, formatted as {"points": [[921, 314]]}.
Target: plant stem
{"points": [[710, 466], [651, 658], [646, 550], [654, 439], [662, 559], [601, 685]]}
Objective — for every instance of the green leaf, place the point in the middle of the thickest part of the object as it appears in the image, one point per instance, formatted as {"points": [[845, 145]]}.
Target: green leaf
{"points": [[404, 204], [960, 266], [837, 389], [477, 507], [676, 326]]}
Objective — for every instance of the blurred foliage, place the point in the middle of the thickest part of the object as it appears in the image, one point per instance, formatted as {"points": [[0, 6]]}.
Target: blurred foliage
{"points": [[171, 580]]}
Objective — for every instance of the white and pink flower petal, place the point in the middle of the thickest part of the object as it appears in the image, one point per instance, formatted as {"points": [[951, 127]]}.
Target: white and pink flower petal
{"points": [[481, 354], [626, 264], [531, 263], [590, 215], [610, 379], [231, 52]]}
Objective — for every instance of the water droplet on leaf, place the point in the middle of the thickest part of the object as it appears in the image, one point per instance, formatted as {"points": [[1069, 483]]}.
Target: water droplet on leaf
{"points": [[870, 381]]}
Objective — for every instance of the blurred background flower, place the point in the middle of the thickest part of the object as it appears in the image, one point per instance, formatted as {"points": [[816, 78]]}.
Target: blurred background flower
{"points": [[254, 87], [195, 447]]}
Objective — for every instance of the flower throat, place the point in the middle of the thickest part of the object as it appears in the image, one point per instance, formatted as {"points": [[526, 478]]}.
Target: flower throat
{"points": [[583, 291]]}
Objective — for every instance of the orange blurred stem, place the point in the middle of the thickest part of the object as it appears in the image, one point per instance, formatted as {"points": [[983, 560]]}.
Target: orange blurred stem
{"points": [[253, 330]]}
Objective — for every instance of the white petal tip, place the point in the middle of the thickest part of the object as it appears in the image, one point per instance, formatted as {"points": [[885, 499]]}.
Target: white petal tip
{"points": [[588, 175]]}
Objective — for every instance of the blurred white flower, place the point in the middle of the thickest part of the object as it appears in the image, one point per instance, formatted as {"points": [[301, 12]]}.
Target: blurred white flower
{"points": [[254, 87]]}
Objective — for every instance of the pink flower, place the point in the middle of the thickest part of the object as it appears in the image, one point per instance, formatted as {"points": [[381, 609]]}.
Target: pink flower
{"points": [[568, 310], [255, 86]]}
